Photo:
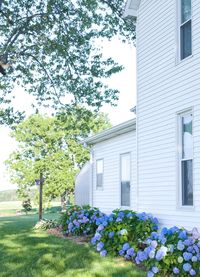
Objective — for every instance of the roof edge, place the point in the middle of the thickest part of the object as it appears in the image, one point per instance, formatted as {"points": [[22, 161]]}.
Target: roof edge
{"points": [[131, 9], [112, 132]]}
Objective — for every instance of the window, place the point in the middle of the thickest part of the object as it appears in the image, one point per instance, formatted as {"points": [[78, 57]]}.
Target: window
{"points": [[125, 164], [186, 158], [99, 175], [185, 28]]}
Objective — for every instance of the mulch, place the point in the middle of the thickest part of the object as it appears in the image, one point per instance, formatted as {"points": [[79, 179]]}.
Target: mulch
{"points": [[58, 233]]}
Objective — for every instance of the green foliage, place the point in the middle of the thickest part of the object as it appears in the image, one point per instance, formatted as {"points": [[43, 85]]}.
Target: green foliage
{"points": [[80, 220], [46, 224], [52, 48], [53, 146], [125, 227]]}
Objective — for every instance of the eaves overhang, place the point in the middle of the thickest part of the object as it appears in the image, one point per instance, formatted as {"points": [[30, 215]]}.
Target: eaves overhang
{"points": [[115, 131]]}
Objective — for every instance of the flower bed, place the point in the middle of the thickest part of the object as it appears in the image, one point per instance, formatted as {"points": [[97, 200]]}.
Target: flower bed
{"points": [[80, 220], [171, 252]]}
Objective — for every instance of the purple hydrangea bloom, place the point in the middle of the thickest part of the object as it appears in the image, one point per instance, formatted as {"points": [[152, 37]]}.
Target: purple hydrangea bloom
{"points": [[176, 270], [152, 254], [150, 274], [194, 259], [154, 243], [161, 253], [187, 267], [100, 245], [93, 241], [187, 256], [100, 228], [192, 272], [180, 245], [183, 235], [155, 269], [121, 252], [130, 252], [103, 253], [111, 235], [126, 246], [70, 226]]}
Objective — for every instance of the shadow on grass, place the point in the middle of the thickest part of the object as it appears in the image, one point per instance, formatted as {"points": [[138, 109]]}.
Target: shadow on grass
{"points": [[26, 252]]}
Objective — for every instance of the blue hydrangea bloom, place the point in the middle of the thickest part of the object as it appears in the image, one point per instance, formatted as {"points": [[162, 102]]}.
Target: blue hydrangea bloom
{"points": [[150, 274], [194, 259], [130, 252], [126, 246], [154, 243], [161, 253], [155, 269], [111, 235], [100, 245], [183, 235], [187, 267], [164, 231], [176, 270], [180, 245], [192, 272], [187, 256], [103, 253], [121, 252]]}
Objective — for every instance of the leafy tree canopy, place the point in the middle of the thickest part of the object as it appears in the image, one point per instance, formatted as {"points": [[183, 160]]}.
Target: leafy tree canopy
{"points": [[49, 48], [52, 145]]}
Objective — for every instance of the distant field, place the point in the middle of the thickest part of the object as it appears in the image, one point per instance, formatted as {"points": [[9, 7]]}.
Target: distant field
{"points": [[8, 208]]}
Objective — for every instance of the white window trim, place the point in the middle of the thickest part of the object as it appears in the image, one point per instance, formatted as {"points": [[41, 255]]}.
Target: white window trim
{"points": [[120, 178], [179, 116], [99, 187], [178, 32]]}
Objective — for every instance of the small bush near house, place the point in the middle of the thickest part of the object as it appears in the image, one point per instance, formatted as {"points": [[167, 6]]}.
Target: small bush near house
{"points": [[123, 230], [80, 220], [46, 224], [26, 204]]}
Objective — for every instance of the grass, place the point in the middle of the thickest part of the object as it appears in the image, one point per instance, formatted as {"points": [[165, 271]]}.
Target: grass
{"points": [[9, 208], [25, 252]]}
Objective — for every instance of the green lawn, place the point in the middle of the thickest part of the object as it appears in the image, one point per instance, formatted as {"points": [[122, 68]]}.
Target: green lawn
{"points": [[9, 208], [25, 252]]}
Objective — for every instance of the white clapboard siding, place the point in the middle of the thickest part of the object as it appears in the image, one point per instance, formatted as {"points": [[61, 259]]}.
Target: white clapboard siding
{"points": [[165, 87], [109, 150], [82, 186]]}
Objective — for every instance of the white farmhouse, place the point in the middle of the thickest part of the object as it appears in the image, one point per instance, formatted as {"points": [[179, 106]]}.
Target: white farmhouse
{"points": [[165, 150]]}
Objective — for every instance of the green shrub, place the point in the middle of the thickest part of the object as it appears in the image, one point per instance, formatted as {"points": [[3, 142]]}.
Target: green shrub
{"points": [[45, 224], [122, 227]]}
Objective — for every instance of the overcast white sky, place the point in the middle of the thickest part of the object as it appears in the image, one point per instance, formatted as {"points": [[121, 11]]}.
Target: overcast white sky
{"points": [[125, 81]]}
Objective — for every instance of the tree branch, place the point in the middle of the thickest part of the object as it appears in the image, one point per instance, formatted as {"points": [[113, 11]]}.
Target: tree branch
{"points": [[46, 72]]}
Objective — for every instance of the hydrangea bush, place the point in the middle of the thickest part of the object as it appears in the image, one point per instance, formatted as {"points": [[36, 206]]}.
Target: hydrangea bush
{"points": [[122, 232], [172, 252], [135, 236], [81, 220]]}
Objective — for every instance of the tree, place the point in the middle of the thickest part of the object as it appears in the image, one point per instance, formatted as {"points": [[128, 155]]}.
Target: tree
{"points": [[52, 146], [49, 48]]}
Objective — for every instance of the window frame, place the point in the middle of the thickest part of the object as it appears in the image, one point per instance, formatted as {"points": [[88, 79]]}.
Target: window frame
{"points": [[120, 181], [97, 186], [180, 25], [180, 158]]}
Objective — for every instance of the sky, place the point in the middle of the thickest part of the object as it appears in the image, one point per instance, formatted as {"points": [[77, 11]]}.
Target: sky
{"points": [[125, 82]]}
